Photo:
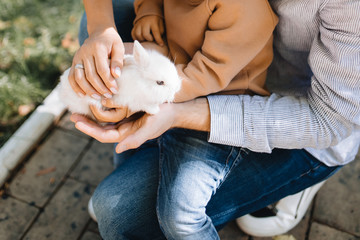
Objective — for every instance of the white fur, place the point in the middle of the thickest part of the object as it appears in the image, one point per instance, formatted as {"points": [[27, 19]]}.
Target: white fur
{"points": [[138, 88]]}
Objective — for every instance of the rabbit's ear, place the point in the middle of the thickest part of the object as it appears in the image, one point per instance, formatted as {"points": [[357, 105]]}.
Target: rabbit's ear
{"points": [[140, 55]]}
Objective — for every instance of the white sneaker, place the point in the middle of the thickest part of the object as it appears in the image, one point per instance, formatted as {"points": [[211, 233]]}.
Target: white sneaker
{"points": [[91, 210], [288, 212]]}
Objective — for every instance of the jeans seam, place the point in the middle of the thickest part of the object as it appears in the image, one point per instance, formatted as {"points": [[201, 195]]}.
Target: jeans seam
{"points": [[228, 158], [159, 140], [310, 170], [230, 168]]}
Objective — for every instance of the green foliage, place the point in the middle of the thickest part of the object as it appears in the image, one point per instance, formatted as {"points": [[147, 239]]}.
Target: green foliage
{"points": [[37, 41]]}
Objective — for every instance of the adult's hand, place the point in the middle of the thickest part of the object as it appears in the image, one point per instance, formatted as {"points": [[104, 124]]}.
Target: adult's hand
{"points": [[96, 78], [194, 115], [129, 135]]}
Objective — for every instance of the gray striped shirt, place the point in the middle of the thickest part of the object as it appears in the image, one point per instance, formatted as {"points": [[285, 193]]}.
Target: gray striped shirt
{"points": [[315, 80]]}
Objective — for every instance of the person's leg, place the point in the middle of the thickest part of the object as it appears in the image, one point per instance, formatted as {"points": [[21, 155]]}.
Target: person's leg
{"points": [[261, 179], [125, 202], [191, 170], [124, 16]]}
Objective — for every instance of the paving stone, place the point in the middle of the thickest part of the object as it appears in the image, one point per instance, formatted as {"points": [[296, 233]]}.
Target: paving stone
{"points": [[96, 163], [56, 156], [338, 201], [232, 232], [15, 218], [322, 232], [90, 236], [66, 216], [65, 122], [93, 227]]}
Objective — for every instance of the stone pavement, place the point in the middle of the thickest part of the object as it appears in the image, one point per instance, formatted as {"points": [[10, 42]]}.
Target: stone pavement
{"points": [[47, 196]]}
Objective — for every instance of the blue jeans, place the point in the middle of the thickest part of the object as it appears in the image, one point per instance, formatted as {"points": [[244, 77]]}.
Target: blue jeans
{"points": [[179, 186]]}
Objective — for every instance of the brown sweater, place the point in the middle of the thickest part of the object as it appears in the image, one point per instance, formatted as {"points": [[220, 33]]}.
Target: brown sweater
{"points": [[217, 45]]}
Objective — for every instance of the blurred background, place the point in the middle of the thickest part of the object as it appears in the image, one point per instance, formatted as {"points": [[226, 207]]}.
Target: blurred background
{"points": [[37, 41]]}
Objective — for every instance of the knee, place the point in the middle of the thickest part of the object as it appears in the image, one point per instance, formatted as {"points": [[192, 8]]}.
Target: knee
{"points": [[178, 220], [107, 208], [172, 220], [100, 203]]}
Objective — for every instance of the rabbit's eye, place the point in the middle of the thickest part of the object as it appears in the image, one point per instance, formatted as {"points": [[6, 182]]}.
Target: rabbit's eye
{"points": [[160, 82]]}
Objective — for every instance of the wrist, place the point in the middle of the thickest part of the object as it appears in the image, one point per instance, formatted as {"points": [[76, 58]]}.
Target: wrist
{"points": [[194, 114], [101, 29]]}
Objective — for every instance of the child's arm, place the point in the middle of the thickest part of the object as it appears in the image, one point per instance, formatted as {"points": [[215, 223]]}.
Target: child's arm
{"points": [[237, 32], [149, 22]]}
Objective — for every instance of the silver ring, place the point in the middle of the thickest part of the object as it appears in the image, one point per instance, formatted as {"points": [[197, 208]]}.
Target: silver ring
{"points": [[79, 66]]}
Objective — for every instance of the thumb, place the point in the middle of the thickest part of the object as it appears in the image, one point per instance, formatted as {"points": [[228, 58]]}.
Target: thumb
{"points": [[116, 61]]}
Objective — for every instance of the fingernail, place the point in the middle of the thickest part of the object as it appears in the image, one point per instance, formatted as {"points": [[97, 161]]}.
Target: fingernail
{"points": [[117, 72], [80, 95], [107, 95], [96, 96], [113, 90]]}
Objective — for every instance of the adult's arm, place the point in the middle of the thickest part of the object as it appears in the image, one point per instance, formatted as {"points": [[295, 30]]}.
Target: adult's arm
{"points": [[327, 115], [193, 114], [104, 43]]}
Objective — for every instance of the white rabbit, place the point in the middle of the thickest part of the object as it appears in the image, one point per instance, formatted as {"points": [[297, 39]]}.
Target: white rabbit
{"points": [[147, 80]]}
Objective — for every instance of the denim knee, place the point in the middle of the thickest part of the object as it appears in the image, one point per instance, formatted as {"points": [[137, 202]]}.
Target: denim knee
{"points": [[179, 217], [177, 222], [174, 221], [104, 208], [101, 203]]}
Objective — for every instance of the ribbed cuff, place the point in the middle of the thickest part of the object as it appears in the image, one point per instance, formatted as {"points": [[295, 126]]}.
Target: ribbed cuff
{"points": [[226, 123]]}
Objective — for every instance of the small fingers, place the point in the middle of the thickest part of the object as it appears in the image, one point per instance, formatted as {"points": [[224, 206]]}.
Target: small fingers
{"points": [[138, 33], [110, 103], [158, 31], [157, 35], [111, 115], [146, 32]]}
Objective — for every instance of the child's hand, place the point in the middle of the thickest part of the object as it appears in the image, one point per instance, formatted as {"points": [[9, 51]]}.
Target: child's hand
{"points": [[149, 28]]}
